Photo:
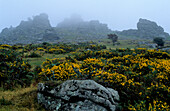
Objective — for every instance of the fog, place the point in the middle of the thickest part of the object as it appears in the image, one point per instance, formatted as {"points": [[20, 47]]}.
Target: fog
{"points": [[118, 14]]}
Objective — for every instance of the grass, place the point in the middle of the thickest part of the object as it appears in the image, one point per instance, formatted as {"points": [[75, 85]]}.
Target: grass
{"points": [[124, 43], [22, 99], [39, 60]]}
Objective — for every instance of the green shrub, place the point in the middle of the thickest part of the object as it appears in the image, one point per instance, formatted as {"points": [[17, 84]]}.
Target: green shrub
{"points": [[33, 54], [159, 41], [13, 70], [3, 101]]}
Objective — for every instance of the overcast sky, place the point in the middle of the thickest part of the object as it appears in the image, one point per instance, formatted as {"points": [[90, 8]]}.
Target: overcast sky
{"points": [[118, 14]]}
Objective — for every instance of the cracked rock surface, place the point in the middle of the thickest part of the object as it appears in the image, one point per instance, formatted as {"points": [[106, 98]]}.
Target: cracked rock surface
{"points": [[77, 95]]}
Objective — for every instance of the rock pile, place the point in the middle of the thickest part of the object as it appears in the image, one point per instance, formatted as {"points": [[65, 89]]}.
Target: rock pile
{"points": [[77, 95]]}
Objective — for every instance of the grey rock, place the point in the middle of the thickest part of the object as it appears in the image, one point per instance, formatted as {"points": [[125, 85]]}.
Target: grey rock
{"points": [[38, 30], [146, 29], [30, 31], [77, 95]]}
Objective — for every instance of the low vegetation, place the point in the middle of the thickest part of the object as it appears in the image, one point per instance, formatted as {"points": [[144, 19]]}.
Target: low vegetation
{"points": [[140, 75]]}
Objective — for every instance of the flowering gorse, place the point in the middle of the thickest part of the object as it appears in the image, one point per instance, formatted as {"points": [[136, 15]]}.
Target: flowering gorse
{"points": [[138, 75]]}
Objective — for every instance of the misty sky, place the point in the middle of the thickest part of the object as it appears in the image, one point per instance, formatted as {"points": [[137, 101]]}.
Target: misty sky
{"points": [[118, 14]]}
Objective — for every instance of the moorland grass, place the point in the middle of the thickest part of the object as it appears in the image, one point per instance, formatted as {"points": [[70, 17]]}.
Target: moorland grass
{"points": [[21, 99]]}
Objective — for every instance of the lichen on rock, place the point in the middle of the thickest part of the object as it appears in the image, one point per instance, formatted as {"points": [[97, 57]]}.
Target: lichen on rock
{"points": [[78, 95]]}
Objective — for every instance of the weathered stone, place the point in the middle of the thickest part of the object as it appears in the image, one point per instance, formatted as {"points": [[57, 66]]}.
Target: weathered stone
{"points": [[77, 95]]}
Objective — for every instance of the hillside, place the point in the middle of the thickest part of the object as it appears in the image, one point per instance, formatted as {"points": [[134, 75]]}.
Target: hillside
{"points": [[140, 75]]}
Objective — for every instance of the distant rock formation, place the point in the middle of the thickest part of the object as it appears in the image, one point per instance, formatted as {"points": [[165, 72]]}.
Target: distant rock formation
{"points": [[77, 95], [73, 21], [31, 31], [76, 27], [38, 29], [146, 29]]}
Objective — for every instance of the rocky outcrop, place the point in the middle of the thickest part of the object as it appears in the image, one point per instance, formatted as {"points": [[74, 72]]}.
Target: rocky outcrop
{"points": [[146, 29], [76, 27], [30, 31], [77, 95], [38, 29]]}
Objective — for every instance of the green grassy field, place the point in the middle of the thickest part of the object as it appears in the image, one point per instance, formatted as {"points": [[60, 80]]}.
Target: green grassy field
{"points": [[39, 60], [123, 44]]}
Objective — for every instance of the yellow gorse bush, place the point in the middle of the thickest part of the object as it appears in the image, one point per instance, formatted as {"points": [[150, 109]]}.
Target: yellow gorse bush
{"points": [[5, 46], [141, 75], [40, 49]]}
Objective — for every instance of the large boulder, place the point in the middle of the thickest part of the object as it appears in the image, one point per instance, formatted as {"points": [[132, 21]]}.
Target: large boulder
{"points": [[77, 95]]}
